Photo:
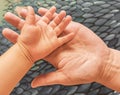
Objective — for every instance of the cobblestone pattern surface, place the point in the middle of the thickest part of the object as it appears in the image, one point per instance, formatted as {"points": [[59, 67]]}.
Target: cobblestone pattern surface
{"points": [[102, 16]]}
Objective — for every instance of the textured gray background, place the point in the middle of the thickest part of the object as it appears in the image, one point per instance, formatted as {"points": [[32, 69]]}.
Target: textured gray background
{"points": [[102, 16]]}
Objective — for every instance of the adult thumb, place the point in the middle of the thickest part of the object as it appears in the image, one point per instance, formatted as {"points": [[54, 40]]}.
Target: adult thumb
{"points": [[51, 78]]}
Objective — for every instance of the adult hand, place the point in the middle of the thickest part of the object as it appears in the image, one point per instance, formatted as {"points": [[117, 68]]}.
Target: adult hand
{"points": [[82, 60]]}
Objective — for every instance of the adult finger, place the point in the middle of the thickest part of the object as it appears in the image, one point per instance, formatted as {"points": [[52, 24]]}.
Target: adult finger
{"points": [[59, 29], [66, 38], [22, 12], [14, 20], [10, 35], [42, 12], [49, 15]]}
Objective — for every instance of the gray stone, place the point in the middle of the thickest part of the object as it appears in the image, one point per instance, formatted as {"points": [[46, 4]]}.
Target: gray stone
{"points": [[99, 2], [34, 74], [118, 36], [34, 91], [13, 93], [34, 68], [98, 15], [23, 81], [110, 37], [79, 7], [50, 70], [73, 8], [95, 86], [58, 6], [61, 2], [72, 3], [100, 22], [84, 88], [103, 29], [113, 42], [89, 25], [79, 94], [65, 7], [94, 28], [26, 93], [46, 91], [112, 93], [77, 14], [79, 2], [113, 22], [55, 89], [39, 62], [114, 11], [118, 44], [117, 17], [29, 79], [79, 19], [61, 92], [86, 10], [104, 90], [90, 20], [4, 41], [116, 30], [110, 22], [94, 92], [105, 5], [24, 86], [42, 66], [29, 73], [87, 15], [87, 4], [107, 16], [116, 93], [95, 8], [45, 5], [117, 5], [112, 2], [116, 25], [71, 90], [104, 11], [19, 91]]}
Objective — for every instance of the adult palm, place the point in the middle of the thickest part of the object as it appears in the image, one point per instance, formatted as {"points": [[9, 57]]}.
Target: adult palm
{"points": [[78, 61]]}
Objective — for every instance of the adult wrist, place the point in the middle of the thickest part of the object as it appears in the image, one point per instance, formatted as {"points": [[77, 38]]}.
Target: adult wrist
{"points": [[111, 72]]}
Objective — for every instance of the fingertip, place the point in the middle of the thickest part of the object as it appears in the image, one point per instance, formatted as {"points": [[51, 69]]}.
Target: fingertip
{"points": [[8, 14], [5, 29], [41, 9], [69, 17], [63, 12], [33, 84], [53, 7], [30, 9], [6, 32]]}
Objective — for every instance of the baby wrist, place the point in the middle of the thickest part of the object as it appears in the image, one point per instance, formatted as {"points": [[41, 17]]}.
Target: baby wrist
{"points": [[25, 53]]}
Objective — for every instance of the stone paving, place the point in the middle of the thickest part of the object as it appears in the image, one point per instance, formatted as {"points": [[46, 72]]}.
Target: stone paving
{"points": [[102, 16]]}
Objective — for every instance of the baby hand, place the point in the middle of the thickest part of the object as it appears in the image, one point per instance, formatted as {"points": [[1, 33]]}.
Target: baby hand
{"points": [[40, 38]]}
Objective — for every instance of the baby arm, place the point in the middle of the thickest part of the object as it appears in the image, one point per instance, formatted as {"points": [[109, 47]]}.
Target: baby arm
{"points": [[36, 40]]}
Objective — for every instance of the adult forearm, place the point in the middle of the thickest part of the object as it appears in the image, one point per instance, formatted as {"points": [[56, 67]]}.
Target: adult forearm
{"points": [[13, 66]]}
